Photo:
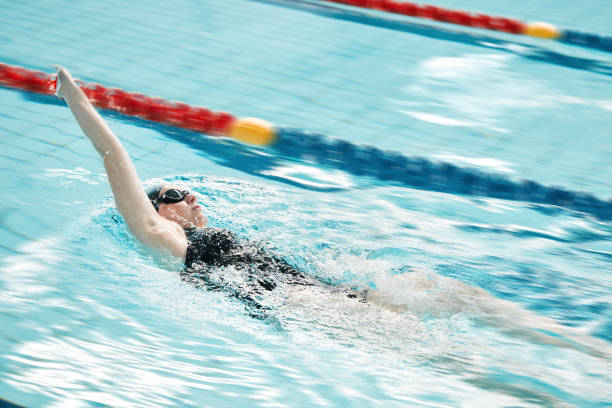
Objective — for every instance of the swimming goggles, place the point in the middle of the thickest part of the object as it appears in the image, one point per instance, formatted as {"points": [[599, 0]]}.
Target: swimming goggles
{"points": [[172, 196]]}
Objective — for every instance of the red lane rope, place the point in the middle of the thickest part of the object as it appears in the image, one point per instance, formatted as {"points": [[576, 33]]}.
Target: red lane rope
{"points": [[132, 104], [440, 14], [21, 78]]}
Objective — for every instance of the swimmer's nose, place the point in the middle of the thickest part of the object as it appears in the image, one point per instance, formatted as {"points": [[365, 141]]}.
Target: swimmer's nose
{"points": [[190, 198]]}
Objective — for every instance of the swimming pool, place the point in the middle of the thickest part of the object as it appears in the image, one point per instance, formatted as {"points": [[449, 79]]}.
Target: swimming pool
{"points": [[89, 318]]}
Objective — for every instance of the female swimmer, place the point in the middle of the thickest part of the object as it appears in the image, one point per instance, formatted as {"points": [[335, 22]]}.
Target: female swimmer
{"points": [[168, 219]]}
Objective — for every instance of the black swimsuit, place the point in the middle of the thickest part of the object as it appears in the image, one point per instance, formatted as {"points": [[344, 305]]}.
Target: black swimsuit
{"points": [[212, 249]]}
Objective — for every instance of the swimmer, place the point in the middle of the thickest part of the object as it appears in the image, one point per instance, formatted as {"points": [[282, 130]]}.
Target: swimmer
{"points": [[168, 219]]}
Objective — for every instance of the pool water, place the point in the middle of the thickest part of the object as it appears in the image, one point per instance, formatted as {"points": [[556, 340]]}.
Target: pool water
{"points": [[88, 317]]}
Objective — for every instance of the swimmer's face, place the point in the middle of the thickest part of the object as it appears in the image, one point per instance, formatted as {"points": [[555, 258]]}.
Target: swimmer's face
{"points": [[186, 213]]}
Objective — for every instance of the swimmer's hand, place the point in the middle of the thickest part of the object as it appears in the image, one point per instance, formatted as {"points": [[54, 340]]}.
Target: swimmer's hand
{"points": [[66, 85]]}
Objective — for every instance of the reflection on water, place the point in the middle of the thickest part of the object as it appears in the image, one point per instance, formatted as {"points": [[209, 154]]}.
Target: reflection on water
{"points": [[90, 317]]}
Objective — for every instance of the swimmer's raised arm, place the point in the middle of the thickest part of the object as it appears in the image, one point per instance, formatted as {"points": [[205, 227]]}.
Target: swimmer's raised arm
{"points": [[147, 225]]}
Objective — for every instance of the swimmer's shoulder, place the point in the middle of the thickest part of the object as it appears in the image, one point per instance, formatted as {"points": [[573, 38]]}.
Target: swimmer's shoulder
{"points": [[168, 236]]}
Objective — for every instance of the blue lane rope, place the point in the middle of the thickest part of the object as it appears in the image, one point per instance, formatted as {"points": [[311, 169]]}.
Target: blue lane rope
{"points": [[419, 172], [590, 40]]}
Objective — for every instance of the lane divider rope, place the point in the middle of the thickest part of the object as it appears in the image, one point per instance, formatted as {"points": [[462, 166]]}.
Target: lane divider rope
{"points": [[361, 160], [422, 173], [158, 110], [477, 20]]}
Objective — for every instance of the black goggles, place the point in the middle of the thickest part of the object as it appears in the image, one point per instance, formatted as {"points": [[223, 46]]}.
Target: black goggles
{"points": [[172, 196]]}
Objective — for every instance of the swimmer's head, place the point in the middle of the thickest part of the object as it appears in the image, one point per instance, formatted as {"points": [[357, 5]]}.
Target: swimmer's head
{"points": [[178, 205], [153, 194]]}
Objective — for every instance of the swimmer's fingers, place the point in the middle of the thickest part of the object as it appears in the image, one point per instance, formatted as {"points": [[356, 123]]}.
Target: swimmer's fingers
{"points": [[63, 74], [58, 88], [64, 81]]}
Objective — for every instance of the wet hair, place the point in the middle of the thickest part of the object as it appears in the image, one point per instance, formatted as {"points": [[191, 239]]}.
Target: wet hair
{"points": [[153, 194]]}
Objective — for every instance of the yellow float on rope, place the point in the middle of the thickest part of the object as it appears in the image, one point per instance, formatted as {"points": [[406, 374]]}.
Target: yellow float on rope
{"points": [[253, 130], [542, 30]]}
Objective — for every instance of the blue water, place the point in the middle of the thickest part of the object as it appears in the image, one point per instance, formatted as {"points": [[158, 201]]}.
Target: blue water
{"points": [[90, 318]]}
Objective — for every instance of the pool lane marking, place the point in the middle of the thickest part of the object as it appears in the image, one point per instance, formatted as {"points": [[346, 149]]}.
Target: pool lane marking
{"points": [[536, 29]]}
